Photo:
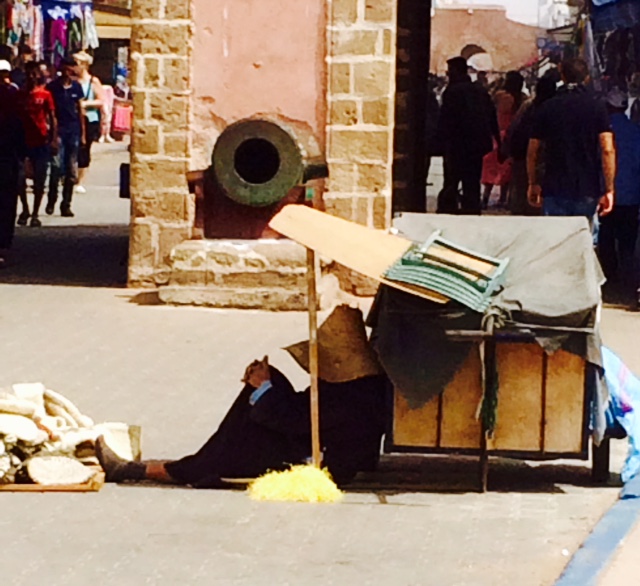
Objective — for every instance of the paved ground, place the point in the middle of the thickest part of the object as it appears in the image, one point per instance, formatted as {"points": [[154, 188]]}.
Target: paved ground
{"points": [[175, 371]]}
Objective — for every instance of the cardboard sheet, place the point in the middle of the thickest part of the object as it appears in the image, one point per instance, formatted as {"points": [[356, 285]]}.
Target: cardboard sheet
{"points": [[361, 249]]}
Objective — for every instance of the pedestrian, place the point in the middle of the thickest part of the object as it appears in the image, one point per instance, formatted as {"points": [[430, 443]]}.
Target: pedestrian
{"points": [[579, 152], [11, 154], [92, 105], [67, 96], [5, 75], [619, 230], [38, 117], [19, 74], [517, 143], [468, 125], [495, 169]]}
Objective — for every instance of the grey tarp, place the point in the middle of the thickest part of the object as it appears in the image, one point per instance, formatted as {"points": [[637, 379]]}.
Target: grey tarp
{"points": [[553, 279]]}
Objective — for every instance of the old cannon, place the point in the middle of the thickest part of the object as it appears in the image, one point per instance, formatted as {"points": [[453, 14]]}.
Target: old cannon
{"points": [[258, 165]]}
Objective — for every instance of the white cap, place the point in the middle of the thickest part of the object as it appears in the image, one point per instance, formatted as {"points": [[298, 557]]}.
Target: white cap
{"points": [[5, 65]]}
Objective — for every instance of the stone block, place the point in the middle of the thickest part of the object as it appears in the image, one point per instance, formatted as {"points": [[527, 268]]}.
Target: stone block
{"points": [[362, 211], [176, 145], [281, 253], [376, 112], [139, 102], [142, 245], [222, 297], [342, 207], [380, 11], [387, 42], [167, 206], [157, 175], [172, 111], [340, 78], [186, 278], [373, 178], [344, 112], [373, 79], [177, 9], [353, 42], [161, 39], [146, 139], [145, 9], [176, 75], [359, 145], [151, 73], [381, 212], [342, 177], [259, 279], [355, 283], [344, 11], [170, 237]]}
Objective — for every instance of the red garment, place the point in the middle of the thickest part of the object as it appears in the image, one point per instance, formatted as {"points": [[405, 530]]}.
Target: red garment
{"points": [[36, 104], [494, 172]]}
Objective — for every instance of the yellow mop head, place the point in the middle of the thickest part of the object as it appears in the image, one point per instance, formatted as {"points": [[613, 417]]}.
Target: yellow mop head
{"points": [[304, 484]]}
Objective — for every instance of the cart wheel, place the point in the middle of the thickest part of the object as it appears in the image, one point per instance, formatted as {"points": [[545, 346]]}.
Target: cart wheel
{"points": [[600, 458]]}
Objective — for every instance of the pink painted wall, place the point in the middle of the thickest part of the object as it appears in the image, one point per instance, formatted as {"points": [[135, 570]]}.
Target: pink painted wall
{"points": [[253, 56]]}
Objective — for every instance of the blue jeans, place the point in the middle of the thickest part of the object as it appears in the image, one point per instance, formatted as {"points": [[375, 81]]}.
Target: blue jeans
{"points": [[560, 206], [64, 164], [40, 158]]}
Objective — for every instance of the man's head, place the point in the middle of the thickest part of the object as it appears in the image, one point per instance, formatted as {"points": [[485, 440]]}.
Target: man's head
{"points": [[457, 69], [68, 69], [26, 54], [574, 71], [5, 70], [617, 101], [34, 74]]}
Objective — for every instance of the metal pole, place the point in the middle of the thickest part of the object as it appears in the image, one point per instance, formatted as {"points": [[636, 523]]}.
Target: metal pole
{"points": [[313, 358]]}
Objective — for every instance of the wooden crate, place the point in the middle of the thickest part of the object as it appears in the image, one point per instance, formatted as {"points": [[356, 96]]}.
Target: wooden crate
{"points": [[94, 485], [541, 408]]}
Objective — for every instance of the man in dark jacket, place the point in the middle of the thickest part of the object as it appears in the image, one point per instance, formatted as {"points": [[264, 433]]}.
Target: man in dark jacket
{"points": [[11, 154], [268, 428], [468, 125]]}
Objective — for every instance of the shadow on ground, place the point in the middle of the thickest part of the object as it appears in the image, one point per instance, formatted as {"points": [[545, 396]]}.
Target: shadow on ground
{"points": [[85, 256], [400, 474]]}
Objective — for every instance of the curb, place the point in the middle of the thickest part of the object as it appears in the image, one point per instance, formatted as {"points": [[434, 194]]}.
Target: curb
{"points": [[597, 552]]}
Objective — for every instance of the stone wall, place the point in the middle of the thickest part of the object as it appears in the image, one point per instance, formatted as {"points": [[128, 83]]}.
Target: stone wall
{"points": [[361, 62], [162, 209]]}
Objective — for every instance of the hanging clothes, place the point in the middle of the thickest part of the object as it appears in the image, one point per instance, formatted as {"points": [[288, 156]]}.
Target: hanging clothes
{"points": [[90, 29]]}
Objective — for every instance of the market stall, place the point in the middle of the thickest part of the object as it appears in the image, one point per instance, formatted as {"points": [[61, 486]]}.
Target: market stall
{"points": [[517, 375], [52, 29]]}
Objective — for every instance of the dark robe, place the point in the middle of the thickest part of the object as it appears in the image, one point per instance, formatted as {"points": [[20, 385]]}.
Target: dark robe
{"points": [[275, 433]]}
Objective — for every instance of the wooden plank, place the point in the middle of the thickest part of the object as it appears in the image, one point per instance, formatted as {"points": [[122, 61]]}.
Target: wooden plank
{"points": [[361, 249], [94, 485], [460, 426], [564, 426], [519, 398], [415, 427]]}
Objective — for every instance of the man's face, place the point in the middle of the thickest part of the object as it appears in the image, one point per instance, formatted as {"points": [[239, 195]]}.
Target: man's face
{"points": [[69, 71], [4, 77]]}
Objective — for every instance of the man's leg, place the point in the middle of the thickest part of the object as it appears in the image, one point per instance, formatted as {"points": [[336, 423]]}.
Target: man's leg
{"points": [[40, 162], [448, 197], [71, 174], [471, 173], [54, 177], [23, 218], [607, 245]]}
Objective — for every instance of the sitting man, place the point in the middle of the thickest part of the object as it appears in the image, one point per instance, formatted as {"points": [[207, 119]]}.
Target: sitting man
{"points": [[268, 426]]}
